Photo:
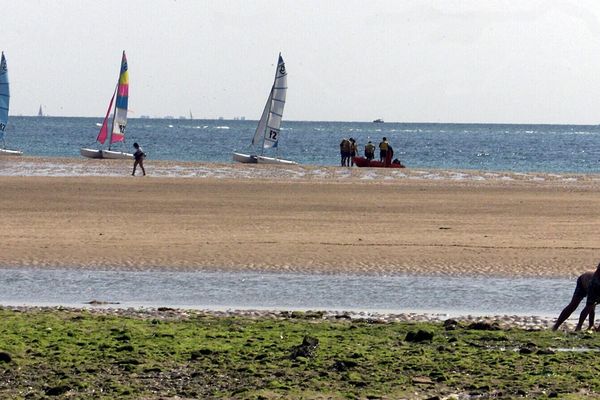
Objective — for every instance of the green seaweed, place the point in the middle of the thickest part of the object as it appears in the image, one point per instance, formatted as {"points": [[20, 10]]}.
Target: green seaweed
{"points": [[86, 355]]}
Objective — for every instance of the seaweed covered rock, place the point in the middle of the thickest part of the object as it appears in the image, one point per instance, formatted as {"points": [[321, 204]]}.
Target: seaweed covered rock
{"points": [[450, 324], [484, 326], [421, 335], [306, 349], [5, 357]]}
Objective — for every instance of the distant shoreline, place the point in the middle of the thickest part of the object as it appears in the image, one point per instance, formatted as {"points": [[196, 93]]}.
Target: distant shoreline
{"points": [[233, 119]]}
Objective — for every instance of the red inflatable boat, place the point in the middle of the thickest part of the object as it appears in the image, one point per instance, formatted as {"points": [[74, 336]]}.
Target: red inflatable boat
{"points": [[363, 162]]}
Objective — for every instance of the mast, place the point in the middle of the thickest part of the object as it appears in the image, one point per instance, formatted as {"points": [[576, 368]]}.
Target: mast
{"points": [[112, 125]]}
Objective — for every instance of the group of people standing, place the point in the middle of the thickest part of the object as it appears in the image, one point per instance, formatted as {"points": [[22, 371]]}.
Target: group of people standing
{"points": [[349, 150]]}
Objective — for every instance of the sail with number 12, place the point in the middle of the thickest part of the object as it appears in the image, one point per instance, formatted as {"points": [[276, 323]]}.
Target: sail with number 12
{"points": [[116, 132], [269, 126]]}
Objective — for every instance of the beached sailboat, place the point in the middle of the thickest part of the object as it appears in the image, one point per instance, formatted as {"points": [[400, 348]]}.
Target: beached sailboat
{"points": [[4, 103], [116, 133], [268, 129]]}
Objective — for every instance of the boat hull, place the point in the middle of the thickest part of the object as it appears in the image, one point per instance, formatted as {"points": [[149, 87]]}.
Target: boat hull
{"points": [[8, 152], [110, 154], [117, 155], [363, 162], [244, 158], [91, 153], [272, 160]]}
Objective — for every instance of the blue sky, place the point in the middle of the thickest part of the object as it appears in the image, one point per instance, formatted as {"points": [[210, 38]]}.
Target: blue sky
{"points": [[408, 61]]}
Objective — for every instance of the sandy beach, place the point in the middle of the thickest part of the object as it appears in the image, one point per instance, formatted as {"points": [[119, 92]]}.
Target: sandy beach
{"points": [[408, 225]]}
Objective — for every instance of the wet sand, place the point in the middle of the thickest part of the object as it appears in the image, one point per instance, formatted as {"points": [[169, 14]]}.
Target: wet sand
{"points": [[407, 225]]}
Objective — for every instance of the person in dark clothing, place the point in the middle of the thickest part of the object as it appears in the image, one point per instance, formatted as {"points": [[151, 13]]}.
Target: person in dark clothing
{"points": [[581, 291], [383, 148], [593, 297], [139, 156]]}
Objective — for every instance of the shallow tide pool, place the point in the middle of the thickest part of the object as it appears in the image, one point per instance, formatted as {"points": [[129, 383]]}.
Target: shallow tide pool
{"points": [[290, 291]]}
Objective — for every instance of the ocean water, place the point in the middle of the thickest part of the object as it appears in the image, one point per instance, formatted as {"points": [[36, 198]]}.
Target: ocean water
{"points": [[487, 147]]}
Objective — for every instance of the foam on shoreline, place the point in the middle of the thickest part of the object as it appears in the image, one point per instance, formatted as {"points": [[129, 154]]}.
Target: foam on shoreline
{"points": [[67, 167]]}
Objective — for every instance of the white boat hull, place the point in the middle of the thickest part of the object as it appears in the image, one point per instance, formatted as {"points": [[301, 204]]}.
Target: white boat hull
{"points": [[117, 155], [91, 153], [272, 160], [244, 158], [110, 154], [8, 152]]}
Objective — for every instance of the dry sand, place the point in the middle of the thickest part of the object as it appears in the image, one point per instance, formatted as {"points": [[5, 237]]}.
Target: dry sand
{"points": [[415, 226]]}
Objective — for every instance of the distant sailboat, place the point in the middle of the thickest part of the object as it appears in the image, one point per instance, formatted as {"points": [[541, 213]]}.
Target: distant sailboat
{"points": [[4, 103], [116, 133], [40, 112], [191, 116], [269, 126]]}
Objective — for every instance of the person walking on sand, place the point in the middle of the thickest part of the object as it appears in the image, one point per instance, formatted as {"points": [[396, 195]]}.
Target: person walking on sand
{"points": [[139, 156], [581, 291], [383, 148]]}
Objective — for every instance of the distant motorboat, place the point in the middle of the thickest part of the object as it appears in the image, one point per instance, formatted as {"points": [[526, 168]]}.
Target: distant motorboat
{"points": [[378, 121]]}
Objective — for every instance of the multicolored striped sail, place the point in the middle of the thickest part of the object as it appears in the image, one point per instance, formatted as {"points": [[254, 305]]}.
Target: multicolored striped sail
{"points": [[270, 122], [4, 95], [120, 116]]}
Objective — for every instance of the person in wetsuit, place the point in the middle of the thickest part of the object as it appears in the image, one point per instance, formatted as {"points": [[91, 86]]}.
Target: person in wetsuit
{"points": [[581, 291]]}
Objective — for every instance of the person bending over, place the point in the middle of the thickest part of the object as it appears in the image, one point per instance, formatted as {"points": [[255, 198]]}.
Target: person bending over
{"points": [[593, 297], [581, 291]]}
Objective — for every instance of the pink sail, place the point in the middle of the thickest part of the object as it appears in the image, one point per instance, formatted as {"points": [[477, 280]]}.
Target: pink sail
{"points": [[102, 135]]}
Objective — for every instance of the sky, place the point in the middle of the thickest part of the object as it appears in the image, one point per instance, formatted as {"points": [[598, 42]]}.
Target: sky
{"points": [[492, 61]]}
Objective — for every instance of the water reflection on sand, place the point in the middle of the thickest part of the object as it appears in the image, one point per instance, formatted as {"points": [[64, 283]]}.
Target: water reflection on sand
{"points": [[230, 289]]}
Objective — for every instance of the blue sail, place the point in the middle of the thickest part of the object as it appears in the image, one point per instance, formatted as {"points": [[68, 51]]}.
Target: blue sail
{"points": [[4, 95]]}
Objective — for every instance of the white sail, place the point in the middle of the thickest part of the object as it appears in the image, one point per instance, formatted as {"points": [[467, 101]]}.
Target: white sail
{"points": [[262, 123], [270, 122], [4, 95]]}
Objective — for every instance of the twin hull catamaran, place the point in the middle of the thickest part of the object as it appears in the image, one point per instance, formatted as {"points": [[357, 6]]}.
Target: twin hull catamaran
{"points": [[268, 128], [4, 103], [119, 121]]}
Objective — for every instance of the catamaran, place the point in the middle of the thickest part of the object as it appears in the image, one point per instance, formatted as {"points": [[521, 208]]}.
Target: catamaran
{"points": [[268, 128], [119, 120], [4, 102]]}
